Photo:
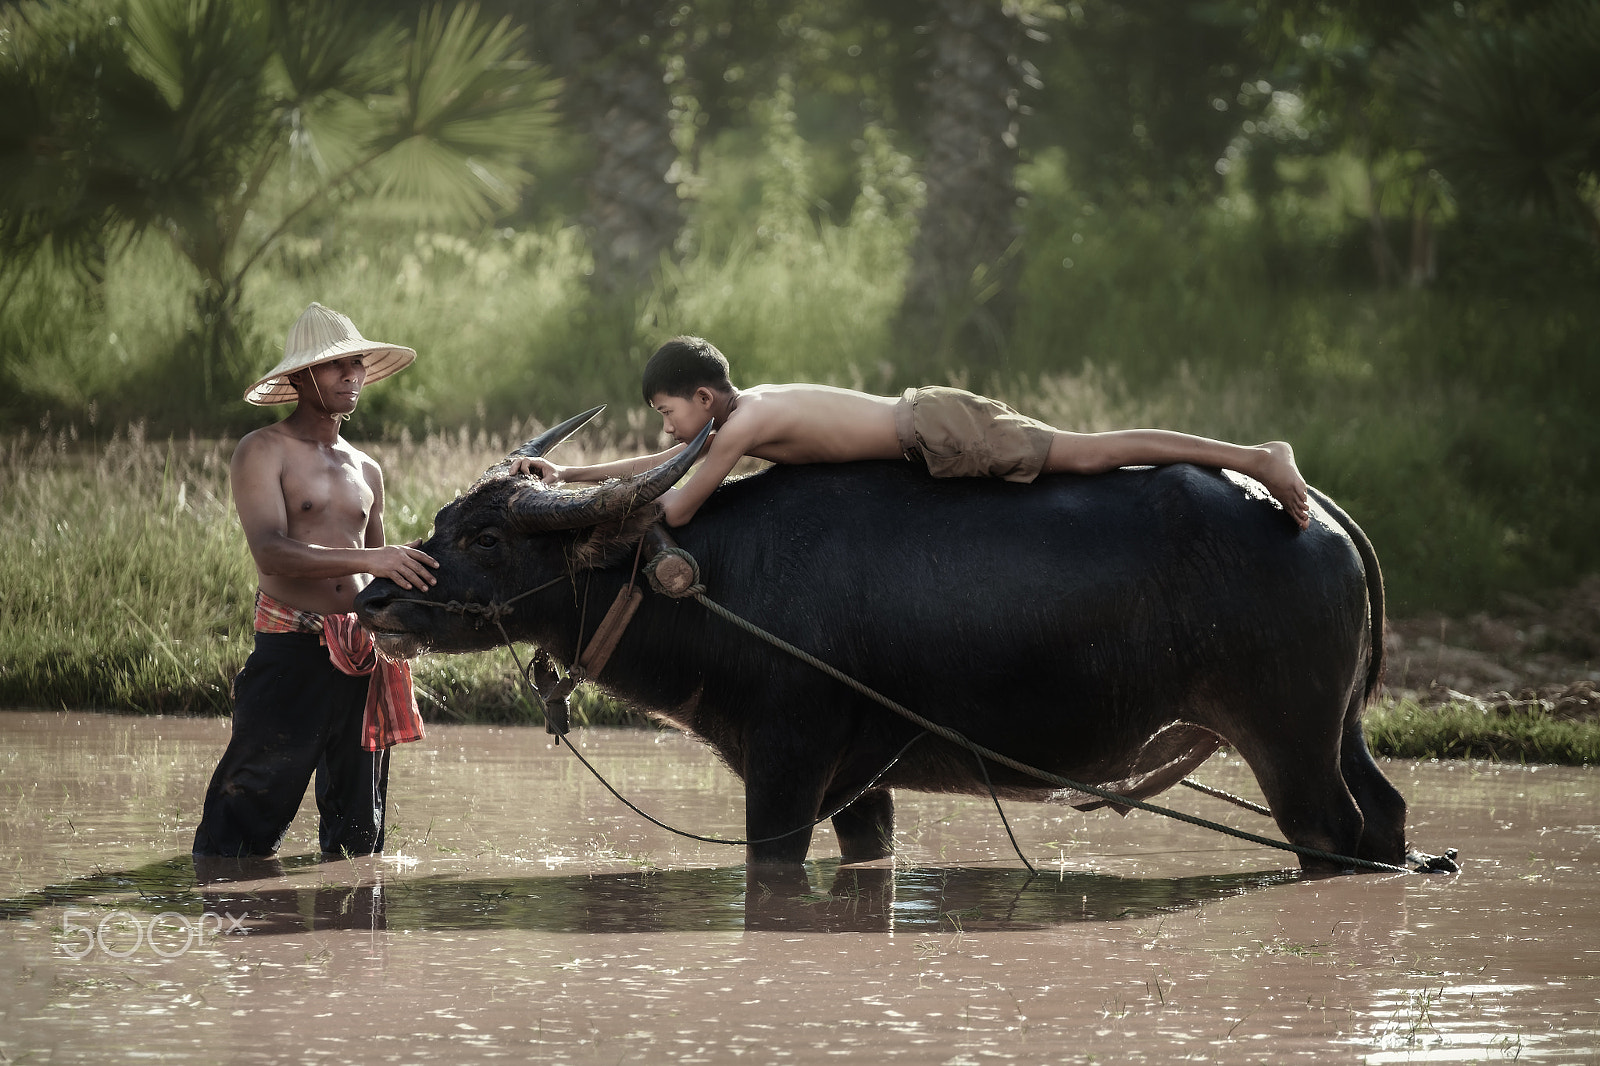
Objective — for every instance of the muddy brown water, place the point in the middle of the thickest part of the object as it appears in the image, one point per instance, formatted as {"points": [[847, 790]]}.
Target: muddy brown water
{"points": [[521, 914]]}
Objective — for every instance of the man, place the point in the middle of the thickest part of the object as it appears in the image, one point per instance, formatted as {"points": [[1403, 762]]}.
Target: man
{"points": [[956, 433], [313, 697]]}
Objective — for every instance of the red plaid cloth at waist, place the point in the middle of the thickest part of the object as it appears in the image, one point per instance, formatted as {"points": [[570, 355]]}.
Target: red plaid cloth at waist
{"points": [[391, 715]]}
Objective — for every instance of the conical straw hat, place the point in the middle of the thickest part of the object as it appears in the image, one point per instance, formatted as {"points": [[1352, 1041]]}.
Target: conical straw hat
{"points": [[318, 336]]}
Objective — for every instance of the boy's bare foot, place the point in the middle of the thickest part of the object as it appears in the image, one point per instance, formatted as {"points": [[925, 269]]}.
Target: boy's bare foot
{"points": [[1282, 478]]}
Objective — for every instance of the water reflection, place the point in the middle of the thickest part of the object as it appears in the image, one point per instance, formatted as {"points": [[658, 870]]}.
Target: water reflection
{"points": [[252, 896], [225, 896], [971, 899], [163, 885], [268, 897]]}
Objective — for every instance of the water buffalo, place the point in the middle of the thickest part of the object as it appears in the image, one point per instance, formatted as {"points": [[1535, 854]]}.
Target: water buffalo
{"points": [[1114, 629]]}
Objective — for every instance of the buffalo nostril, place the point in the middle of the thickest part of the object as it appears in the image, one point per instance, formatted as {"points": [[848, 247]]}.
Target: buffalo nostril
{"points": [[373, 598]]}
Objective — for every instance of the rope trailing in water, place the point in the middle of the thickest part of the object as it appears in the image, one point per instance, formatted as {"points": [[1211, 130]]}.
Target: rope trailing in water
{"points": [[862, 791], [698, 593]]}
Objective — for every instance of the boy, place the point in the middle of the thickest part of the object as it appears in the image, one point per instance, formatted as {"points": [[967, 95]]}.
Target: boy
{"points": [[955, 432]]}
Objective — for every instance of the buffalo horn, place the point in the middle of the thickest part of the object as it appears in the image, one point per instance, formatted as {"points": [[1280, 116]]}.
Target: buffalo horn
{"points": [[535, 448], [542, 511]]}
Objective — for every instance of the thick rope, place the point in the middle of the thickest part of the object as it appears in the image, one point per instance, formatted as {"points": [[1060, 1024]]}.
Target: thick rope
{"points": [[1005, 760], [1237, 801], [862, 791], [983, 768]]}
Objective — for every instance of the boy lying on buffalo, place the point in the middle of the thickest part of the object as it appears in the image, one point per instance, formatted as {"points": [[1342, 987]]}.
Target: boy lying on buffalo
{"points": [[955, 432]]}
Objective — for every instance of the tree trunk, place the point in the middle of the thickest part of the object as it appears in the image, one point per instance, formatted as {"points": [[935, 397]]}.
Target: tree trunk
{"points": [[1384, 261], [617, 92], [1424, 250], [959, 297], [217, 340]]}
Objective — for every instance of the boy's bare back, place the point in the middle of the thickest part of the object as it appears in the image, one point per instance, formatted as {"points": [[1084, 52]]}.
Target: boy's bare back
{"points": [[803, 423], [797, 423]]}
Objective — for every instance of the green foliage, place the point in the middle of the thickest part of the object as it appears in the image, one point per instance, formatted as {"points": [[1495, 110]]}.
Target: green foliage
{"points": [[466, 110], [57, 62], [1405, 730], [219, 124], [1145, 93], [1479, 106], [1507, 111], [779, 286]]}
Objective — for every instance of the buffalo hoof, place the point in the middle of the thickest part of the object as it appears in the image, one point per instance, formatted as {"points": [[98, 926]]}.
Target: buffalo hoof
{"points": [[1435, 864]]}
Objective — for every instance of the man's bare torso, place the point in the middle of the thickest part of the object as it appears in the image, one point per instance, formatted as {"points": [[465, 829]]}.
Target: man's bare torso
{"points": [[327, 493], [803, 423]]}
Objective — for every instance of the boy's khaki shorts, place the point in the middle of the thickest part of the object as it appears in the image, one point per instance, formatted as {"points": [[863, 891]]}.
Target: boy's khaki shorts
{"points": [[959, 434]]}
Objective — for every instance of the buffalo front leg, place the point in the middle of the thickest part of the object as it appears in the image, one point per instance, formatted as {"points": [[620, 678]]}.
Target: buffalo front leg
{"points": [[792, 779], [781, 807], [866, 828]]}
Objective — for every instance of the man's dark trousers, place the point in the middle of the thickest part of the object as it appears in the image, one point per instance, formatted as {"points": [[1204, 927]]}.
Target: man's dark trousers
{"points": [[294, 714]]}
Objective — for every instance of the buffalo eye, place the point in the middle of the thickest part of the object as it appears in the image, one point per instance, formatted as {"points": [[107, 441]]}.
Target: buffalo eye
{"points": [[488, 540]]}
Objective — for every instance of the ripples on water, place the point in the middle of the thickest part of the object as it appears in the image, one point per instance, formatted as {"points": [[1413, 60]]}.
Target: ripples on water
{"points": [[521, 913]]}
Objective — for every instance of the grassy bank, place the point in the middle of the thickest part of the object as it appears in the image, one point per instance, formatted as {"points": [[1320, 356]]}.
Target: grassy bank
{"points": [[126, 586], [1406, 730]]}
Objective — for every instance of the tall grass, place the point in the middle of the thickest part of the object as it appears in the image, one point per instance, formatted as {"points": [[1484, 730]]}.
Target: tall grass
{"points": [[127, 584], [122, 585]]}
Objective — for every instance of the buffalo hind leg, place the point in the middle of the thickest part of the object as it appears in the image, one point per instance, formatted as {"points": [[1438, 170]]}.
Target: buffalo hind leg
{"points": [[1300, 775], [866, 828], [1383, 809]]}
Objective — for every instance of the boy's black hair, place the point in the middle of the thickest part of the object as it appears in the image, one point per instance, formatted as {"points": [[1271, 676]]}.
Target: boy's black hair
{"points": [[682, 365]]}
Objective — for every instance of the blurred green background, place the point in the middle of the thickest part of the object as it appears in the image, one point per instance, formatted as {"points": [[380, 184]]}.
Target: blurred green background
{"points": [[1368, 228]]}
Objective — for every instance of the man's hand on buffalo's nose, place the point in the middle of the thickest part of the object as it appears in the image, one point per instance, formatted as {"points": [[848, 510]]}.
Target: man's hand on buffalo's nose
{"points": [[405, 566]]}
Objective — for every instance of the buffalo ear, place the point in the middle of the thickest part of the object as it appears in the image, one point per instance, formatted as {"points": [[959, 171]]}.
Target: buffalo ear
{"points": [[537, 446], [612, 540]]}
